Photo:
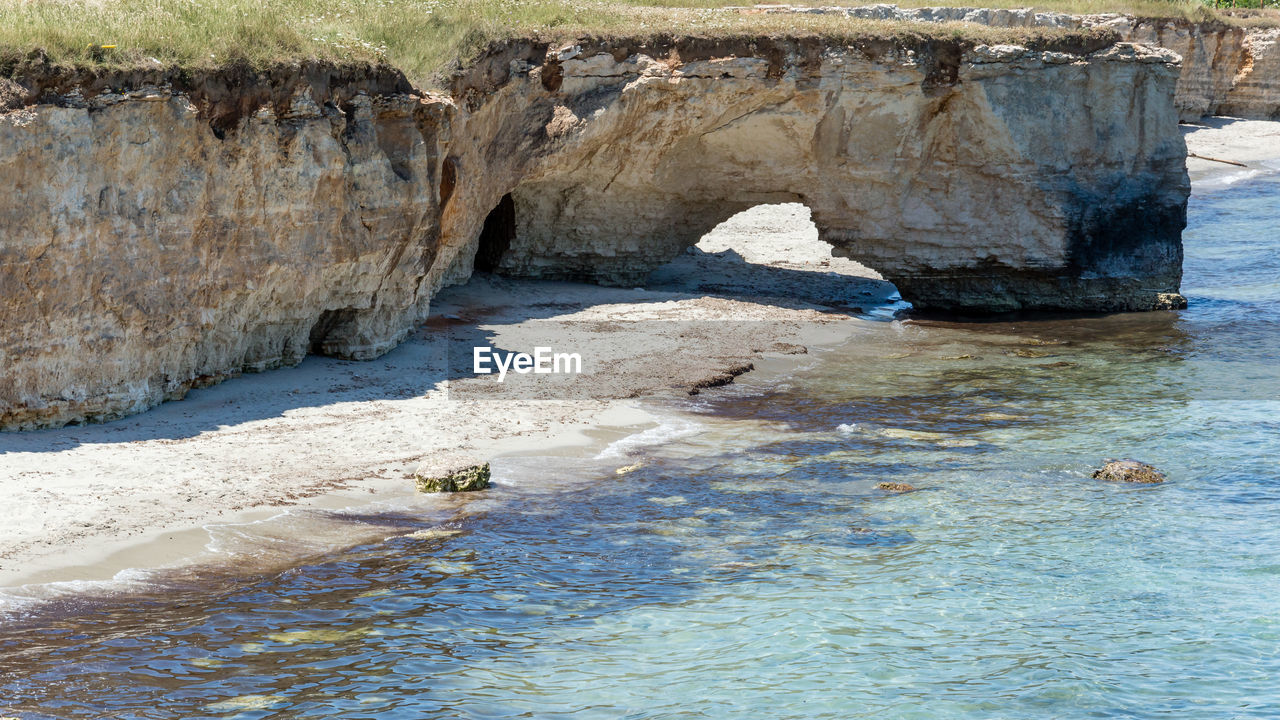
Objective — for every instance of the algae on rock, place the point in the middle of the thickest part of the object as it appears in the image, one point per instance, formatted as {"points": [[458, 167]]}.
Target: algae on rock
{"points": [[458, 478]]}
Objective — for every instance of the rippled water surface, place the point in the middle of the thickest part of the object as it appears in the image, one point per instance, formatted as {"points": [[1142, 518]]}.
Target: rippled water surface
{"points": [[749, 567]]}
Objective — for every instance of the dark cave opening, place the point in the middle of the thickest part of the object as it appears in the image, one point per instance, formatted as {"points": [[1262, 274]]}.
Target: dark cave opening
{"points": [[496, 236]]}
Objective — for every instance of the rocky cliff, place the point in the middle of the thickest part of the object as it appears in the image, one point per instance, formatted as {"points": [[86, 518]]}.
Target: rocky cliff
{"points": [[1226, 69], [162, 232], [157, 239]]}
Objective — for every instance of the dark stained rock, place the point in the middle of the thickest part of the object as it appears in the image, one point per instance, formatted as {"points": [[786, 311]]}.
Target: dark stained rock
{"points": [[896, 487]]}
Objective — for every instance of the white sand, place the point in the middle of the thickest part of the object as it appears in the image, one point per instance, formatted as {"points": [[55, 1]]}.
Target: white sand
{"points": [[1256, 143], [84, 502]]}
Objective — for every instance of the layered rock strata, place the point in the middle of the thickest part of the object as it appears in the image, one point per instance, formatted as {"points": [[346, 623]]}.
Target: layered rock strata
{"points": [[162, 232], [150, 244], [1229, 70], [997, 178]]}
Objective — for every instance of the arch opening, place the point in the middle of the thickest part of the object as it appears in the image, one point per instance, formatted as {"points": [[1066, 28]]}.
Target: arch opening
{"points": [[776, 251]]}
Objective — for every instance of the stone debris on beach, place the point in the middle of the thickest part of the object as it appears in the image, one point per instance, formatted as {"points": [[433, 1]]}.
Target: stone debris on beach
{"points": [[463, 476], [1130, 471], [721, 378], [896, 487]]}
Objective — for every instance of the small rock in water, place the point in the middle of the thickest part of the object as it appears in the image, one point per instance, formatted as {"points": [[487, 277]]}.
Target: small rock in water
{"points": [[457, 476], [1130, 471], [896, 487]]}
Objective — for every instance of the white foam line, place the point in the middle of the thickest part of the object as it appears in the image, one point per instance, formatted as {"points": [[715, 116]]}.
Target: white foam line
{"points": [[666, 431], [1224, 181], [26, 597], [213, 528]]}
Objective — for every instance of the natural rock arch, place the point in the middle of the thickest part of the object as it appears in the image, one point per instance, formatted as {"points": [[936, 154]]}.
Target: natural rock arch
{"points": [[962, 187]]}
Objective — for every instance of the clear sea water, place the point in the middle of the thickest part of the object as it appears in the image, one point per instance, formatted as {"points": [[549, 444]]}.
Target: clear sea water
{"points": [[749, 568]]}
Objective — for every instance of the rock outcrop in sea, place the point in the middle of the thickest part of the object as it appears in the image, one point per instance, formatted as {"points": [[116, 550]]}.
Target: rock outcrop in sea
{"points": [[1130, 471]]}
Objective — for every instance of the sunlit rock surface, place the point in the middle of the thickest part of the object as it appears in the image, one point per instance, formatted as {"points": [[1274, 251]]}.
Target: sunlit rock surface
{"points": [[1226, 69], [993, 179]]}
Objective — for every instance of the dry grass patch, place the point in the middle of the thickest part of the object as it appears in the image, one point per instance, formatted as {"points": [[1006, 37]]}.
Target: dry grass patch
{"points": [[423, 38]]}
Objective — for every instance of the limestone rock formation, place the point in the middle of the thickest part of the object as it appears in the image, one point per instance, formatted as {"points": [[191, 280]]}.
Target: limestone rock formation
{"points": [[938, 166], [1226, 69], [144, 250], [1130, 471], [1255, 87], [165, 232]]}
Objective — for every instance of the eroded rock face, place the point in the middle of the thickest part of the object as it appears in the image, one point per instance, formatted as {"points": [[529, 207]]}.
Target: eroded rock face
{"points": [[1226, 70], [158, 240], [141, 254], [1255, 88]]}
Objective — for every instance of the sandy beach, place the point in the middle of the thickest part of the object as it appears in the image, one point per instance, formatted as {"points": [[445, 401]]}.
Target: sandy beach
{"points": [[1255, 143], [86, 502]]}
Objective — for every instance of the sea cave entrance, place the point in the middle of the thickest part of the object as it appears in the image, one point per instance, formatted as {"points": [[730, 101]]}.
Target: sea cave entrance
{"points": [[496, 235]]}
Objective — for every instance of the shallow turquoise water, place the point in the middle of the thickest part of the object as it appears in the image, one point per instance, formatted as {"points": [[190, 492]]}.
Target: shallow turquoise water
{"points": [[750, 568]]}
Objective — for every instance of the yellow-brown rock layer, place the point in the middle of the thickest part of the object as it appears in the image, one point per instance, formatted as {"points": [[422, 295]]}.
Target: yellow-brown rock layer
{"points": [[1226, 69]]}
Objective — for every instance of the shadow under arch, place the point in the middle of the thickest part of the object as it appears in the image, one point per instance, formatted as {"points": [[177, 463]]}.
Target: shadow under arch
{"points": [[773, 251]]}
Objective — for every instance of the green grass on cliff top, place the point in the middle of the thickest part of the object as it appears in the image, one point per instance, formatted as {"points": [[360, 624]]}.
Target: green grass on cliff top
{"points": [[421, 37]]}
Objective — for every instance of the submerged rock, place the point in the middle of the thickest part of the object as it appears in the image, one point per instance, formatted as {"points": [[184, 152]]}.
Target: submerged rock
{"points": [[461, 476], [1130, 471], [896, 487]]}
